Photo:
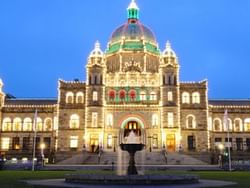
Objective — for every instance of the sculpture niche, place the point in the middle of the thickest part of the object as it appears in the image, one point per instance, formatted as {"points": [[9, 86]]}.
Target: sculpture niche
{"points": [[132, 145]]}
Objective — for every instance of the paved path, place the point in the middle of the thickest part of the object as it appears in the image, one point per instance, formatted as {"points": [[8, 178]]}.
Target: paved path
{"points": [[61, 183]]}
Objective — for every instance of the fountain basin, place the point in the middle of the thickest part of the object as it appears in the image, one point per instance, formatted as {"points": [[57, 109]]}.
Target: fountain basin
{"points": [[132, 148], [131, 179]]}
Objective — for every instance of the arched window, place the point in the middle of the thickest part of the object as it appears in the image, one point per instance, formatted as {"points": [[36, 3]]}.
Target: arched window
{"points": [[143, 96], [132, 95], [153, 96], [95, 96], [48, 124], [122, 95], [217, 125], [109, 120], [79, 97], [190, 122], [196, 98], [185, 98], [17, 124], [70, 97], [39, 124], [170, 96], [74, 121], [238, 125], [6, 124], [229, 124], [247, 124], [27, 124], [155, 120], [111, 94]]}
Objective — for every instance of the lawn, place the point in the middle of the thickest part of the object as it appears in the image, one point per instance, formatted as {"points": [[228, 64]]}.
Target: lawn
{"points": [[9, 179]]}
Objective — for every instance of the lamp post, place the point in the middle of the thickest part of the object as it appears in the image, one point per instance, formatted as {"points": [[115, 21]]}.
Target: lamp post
{"points": [[42, 147], [221, 148], [115, 137]]}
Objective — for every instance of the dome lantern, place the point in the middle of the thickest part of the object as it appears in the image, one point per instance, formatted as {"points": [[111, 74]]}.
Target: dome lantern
{"points": [[168, 52], [133, 11]]}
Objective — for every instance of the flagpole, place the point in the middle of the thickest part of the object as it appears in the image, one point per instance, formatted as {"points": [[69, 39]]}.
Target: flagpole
{"points": [[228, 141], [34, 141]]}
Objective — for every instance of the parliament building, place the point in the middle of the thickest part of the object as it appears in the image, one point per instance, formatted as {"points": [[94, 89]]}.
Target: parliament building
{"points": [[131, 86]]}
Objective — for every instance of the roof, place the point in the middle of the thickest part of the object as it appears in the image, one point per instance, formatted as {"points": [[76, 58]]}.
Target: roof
{"points": [[31, 101], [229, 102]]}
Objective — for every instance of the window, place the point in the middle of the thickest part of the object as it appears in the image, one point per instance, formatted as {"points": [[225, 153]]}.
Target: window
{"points": [[155, 141], [73, 141], [109, 120], [39, 124], [95, 96], [185, 98], [27, 124], [238, 125], [154, 120], [248, 144], [153, 96], [74, 121], [217, 125], [47, 143], [6, 124], [79, 97], [239, 144], [196, 98], [94, 119], [109, 141], [48, 124], [70, 97], [170, 119], [247, 124], [26, 143], [143, 96], [5, 143], [17, 124], [15, 143], [190, 122], [170, 96], [191, 143]]}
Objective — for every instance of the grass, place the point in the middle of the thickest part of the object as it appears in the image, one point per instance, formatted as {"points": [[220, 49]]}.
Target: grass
{"points": [[12, 179]]}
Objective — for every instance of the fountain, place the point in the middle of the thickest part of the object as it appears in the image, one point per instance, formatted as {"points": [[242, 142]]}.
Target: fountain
{"points": [[132, 145]]}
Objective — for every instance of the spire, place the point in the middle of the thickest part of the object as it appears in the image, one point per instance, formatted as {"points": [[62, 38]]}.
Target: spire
{"points": [[133, 11]]}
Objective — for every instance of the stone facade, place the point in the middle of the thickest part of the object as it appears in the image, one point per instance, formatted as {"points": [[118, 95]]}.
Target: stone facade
{"points": [[132, 86]]}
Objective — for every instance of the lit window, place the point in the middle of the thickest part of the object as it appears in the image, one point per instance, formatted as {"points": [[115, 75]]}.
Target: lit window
{"points": [[155, 141], [153, 96], [79, 97], [217, 125], [48, 124], [110, 120], [190, 122], [247, 124], [27, 124], [238, 125], [196, 98], [39, 124], [94, 119], [17, 124], [154, 120], [95, 96], [170, 119], [185, 98], [143, 96], [15, 143], [69, 97], [6, 124], [74, 121], [5, 143], [109, 141], [170, 96], [73, 141]]}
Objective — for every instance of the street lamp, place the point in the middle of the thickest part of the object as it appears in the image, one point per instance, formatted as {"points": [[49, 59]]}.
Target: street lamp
{"points": [[42, 147], [221, 148]]}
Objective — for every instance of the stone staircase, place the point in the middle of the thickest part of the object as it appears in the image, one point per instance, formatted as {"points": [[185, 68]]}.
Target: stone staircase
{"points": [[141, 158]]}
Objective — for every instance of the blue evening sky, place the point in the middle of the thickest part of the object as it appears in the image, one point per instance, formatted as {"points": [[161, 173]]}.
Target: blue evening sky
{"points": [[44, 40]]}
